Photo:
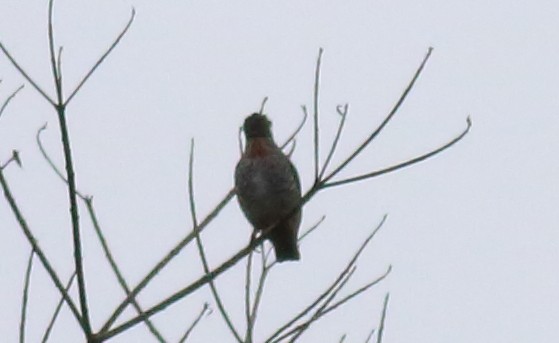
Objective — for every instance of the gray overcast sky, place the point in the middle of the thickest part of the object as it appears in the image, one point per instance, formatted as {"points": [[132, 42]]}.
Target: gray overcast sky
{"points": [[472, 234]]}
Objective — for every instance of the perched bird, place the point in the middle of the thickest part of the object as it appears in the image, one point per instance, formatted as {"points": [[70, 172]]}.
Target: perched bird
{"points": [[268, 188]]}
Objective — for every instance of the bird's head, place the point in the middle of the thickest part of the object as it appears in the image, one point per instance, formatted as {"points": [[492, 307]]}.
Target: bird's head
{"points": [[257, 125]]}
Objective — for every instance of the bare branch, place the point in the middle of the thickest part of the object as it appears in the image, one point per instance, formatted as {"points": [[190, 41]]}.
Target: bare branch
{"points": [[343, 115], [383, 318], [403, 164], [301, 328], [53, 61], [315, 116], [195, 322], [57, 310], [25, 75], [25, 297], [297, 130], [8, 99], [100, 61], [89, 204], [35, 245], [205, 264], [385, 121], [248, 315], [163, 262], [357, 292], [330, 289], [121, 280]]}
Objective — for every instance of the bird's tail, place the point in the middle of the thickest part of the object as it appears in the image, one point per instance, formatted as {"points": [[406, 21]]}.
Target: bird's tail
{"points": [[285, 245]]}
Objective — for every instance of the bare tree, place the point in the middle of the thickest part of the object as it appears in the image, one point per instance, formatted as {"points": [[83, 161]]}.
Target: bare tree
{"points": [[259, 263]]}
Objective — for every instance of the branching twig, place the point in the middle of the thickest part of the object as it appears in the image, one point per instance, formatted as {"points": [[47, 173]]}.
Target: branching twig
{"points": [[195, 322], [395, 109], [25, 75], [88, 200], [25, 297], [343, 115], [403, 164], [330, 289]]}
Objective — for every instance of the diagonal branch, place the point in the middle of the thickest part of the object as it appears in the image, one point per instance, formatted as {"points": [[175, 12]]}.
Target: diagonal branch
{"points": [[35, 245], [25, 75], [102, 58], [8, 99], [331, 288], [195, 322], [57, 310], [403, 164]]}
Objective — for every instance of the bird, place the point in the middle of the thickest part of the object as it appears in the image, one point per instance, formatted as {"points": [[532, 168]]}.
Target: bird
{"points": [[268, 188]]}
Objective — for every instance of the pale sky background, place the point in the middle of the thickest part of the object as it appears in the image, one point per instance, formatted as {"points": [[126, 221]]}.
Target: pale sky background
{"points": [[472, 234]]}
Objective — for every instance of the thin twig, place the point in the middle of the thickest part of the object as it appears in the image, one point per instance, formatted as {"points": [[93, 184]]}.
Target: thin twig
{"points": [[195, 322], [25, 297], [315, 114], [395, 109], [53, 62], [343, 116], [205, 264], [383, 318], [57, 310], [8, 99], [357, 292], [260, 289], [297, 331], [248, 315], [102, 58], [403, 164], [25, 75], [297, 130]]}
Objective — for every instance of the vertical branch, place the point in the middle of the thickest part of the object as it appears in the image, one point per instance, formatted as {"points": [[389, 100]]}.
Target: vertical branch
{"points": [[55, 65], [248, 335], [70, 176], [205, 264], [315, 115], [25, 297]]}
